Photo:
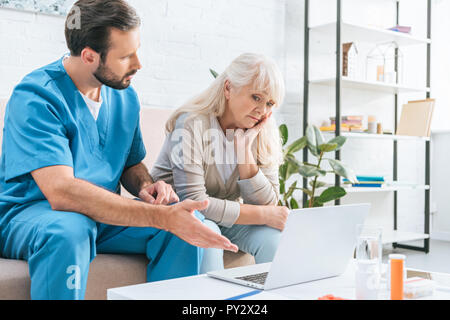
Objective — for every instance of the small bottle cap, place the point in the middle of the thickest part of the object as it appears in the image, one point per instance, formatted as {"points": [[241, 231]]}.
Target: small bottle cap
{"points": [[397, 256]]}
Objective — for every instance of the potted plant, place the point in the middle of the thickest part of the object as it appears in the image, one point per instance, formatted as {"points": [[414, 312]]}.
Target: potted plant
{"points": [[319, 148]]}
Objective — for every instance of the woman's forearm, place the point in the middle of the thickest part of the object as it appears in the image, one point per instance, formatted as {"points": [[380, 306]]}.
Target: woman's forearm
{"points": [[252, 214], [249, 168]]}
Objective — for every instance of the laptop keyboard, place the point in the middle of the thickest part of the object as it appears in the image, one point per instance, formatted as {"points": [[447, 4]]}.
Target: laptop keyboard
{"points": [[258, 278]]}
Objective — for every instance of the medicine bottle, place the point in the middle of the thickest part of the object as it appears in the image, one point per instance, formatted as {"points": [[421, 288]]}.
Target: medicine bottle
{"points": [[396, 267]]}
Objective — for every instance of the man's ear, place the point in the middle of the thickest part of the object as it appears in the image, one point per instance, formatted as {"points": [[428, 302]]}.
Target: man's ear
{"points": [[89, 56]]}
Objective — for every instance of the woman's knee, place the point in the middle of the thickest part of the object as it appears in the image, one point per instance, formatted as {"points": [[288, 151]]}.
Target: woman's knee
{"points": [[212, 225], [266, 241]]}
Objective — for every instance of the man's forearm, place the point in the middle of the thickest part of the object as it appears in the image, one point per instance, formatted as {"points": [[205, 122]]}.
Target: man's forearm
{"points": [[135, 178], [107, 207]]}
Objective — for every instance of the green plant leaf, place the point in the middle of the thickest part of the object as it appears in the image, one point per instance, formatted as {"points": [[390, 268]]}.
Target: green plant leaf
{"points": [[282, 186], [292, 166], [315, 139], [294, 204], [307, 191], [340, 140], [340, 169], [280, 203], [297, 145], [319, 184], [214, 73], [283, 133], [328, 147], [332, 193], [290, 191], [282, 171], [317, 203], [310, 171], [311, 141]]}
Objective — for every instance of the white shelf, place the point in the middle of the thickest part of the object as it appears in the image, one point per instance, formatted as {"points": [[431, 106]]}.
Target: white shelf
{"points": [[388, 188], [358, 135], [369, 85], [354, 32], [401, 236]]}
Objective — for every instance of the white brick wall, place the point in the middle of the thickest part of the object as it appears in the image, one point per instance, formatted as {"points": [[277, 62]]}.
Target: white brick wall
{"points": [[181, 40]]}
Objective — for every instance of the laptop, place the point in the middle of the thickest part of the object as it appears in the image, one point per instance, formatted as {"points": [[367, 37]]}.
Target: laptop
{"points": [[316, 243]]}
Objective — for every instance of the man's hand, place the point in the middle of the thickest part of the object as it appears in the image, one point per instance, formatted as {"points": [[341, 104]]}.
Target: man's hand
{"points": [[183, 223], [158, 193]]}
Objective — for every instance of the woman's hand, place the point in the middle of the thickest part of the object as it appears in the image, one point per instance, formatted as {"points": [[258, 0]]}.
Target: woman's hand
{"points": [[158, 193], [243, 139], [275, 216]]}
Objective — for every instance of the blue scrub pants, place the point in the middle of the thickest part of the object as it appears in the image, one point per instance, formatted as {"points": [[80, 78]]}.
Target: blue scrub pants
{"points": [[59, 247], [258, 240]]}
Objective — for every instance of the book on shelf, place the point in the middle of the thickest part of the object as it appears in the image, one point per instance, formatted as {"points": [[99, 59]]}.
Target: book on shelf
{"points": [[416, 117], [332, 128], [402, 29], [368, 181], [344, 128], [355, 118], [368, 185]]}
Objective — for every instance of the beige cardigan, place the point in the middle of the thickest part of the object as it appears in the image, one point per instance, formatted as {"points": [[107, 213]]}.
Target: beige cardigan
{"points": [[187, 162]]}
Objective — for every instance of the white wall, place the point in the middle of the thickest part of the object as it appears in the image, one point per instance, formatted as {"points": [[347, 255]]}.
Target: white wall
{"points": [[182, 39]]}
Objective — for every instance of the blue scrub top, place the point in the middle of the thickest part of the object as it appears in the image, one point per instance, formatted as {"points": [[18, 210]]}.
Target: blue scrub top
{"points": [[48, 123]]}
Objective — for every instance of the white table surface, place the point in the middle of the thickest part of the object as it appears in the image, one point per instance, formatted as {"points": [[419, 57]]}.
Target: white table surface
{"points": [[202, 287]]}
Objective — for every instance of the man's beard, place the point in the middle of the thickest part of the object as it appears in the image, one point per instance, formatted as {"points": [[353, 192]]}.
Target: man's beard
{"points": [[108, 78]]}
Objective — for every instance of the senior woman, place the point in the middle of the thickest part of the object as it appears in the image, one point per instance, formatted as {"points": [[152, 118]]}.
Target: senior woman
{"points": [[224, 146]]}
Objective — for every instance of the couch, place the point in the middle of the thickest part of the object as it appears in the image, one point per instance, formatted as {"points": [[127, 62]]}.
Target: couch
{"points": [[106, 270]]}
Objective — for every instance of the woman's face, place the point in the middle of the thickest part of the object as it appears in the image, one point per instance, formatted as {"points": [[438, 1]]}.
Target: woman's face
{"points": [[246, 106]]}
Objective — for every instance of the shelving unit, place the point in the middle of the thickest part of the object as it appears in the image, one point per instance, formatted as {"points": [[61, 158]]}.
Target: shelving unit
{"points": [[346, 32]]}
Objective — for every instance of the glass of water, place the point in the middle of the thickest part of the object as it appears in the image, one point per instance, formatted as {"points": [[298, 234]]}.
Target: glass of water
{"points": [[368, 254]]}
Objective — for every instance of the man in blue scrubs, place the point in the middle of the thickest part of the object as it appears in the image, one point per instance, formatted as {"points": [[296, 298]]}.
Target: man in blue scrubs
{"points": [[71, 136]]}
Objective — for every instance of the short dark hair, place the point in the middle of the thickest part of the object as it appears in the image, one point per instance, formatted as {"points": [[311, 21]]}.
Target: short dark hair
{"points": [[95, 20]]}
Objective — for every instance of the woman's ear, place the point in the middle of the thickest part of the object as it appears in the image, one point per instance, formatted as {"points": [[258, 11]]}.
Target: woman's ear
{"points": [[227, 89]]}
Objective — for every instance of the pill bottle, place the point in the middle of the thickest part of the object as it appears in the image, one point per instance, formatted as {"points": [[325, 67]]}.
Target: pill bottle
{"points": [[396, 267]]}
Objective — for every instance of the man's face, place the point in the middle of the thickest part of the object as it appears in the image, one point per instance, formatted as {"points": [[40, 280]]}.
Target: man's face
{"points": [[121, 61]]}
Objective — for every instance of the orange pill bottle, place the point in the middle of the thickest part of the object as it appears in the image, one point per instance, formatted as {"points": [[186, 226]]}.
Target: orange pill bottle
{"points": [[397, 267]]}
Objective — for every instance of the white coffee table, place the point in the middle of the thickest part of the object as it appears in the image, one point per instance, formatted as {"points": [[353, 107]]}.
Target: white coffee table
{"points": [[202, 287]]}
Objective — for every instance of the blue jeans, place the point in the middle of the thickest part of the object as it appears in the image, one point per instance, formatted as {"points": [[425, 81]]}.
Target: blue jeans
{"points": [[258, 240], [59, 247]]}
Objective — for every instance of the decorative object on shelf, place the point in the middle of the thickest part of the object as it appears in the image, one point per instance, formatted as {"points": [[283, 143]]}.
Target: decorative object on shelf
{"points": [[415, 119], [379, 128], [381, 62], [316, 144], [372, 124], [349, 60], [402, 29]]}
